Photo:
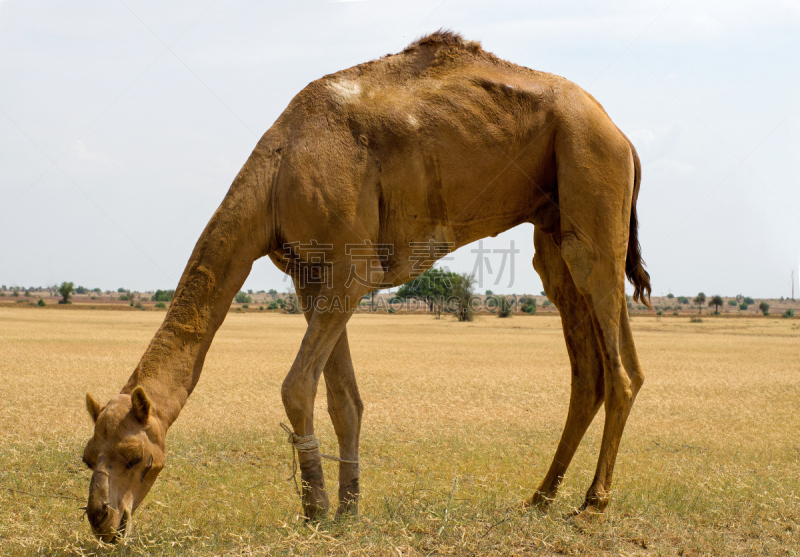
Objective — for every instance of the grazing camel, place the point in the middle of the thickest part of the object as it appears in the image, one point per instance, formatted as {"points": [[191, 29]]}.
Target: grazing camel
{"points": [[366, 179]]}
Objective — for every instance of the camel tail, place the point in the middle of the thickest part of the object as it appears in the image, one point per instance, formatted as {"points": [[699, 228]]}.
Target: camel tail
{"points": [[634, 264]]}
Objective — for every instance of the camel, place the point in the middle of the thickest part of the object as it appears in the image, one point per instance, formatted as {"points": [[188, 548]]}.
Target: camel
{"points": [[369, 176]]}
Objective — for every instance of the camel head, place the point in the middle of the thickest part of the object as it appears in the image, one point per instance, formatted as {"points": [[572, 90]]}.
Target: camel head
{"points": [[126, 454]]}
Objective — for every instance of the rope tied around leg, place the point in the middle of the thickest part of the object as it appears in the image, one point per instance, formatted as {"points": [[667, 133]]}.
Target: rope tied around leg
{"points": [[306, 444]]}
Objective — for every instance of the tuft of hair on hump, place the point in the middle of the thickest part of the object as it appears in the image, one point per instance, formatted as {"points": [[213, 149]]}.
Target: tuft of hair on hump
{"points": [[445, 37]]}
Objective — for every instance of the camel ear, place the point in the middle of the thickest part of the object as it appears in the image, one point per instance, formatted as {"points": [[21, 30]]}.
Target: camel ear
{"points": [[141, 404], [93, 407]]}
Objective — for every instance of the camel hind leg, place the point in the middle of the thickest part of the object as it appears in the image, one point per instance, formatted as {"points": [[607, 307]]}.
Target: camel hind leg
{"points": [[587, 384], [595, 178]]}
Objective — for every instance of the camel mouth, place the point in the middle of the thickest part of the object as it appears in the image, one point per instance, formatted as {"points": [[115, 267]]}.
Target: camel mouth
{"points": [[104, 529]]}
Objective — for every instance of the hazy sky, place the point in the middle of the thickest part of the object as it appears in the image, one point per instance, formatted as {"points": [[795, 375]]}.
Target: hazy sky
{"points": [[122, 124]]}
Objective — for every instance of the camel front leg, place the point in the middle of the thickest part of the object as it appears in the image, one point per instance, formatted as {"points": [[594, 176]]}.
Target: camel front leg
{"points": [[299, 391], [585, 359], [345, 408]]}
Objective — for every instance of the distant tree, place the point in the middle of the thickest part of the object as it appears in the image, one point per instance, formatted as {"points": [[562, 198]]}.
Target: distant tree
{"points": [[489, 292], [788, 314], [81, 290], [120, 290], [66, 291], [715, 301], [699, 300], [434, 287], [250, 291], [162, 296], [743, 306], [543, 294], [748, 300], [670, 295], [41, 303], [528, 305], [273, 305], [97, 290], [733, 303], [272, 292], [242, 298], [683, 300], [463, 294], [764, 307]]}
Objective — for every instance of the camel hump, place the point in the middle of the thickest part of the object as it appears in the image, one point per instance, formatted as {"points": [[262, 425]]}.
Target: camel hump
{"points": [[445, 37]]}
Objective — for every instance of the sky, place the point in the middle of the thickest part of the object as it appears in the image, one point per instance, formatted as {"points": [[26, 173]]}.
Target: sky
{"points": [[122, 125]]}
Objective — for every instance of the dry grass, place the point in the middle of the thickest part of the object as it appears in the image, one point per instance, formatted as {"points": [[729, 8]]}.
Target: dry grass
{"points": [[461, 421]]}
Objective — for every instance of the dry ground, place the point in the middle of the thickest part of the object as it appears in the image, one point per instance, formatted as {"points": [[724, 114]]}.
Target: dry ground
{"points": [[461, 422]]}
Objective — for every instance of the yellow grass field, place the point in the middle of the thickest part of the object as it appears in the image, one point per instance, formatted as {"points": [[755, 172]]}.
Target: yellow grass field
{"points": [[461, 421]]}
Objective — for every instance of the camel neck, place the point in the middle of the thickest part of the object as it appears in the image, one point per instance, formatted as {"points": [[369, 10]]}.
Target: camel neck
{"points": [[222, 258]]}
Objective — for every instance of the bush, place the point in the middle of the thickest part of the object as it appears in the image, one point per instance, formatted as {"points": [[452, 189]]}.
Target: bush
{"points": [[41, 303], [161, 305], [670, 295], [732, 303], [764, 307], [503, 306], [273, 305], [743, 306], [659, 312], [81, 290], [748, 300], [695, 319], [245, 306], [261, 308], [138, 305], [242, 298], [683, 300], [529, 309], [547, 303], [789, 313]]}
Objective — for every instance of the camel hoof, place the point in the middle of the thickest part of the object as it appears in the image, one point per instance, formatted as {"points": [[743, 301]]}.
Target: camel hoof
{"points": [[586, 516], [538, 501]]}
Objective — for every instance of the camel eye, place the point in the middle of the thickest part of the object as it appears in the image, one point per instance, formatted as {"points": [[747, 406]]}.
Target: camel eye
{"points": [[132, 463], [146, 470]]}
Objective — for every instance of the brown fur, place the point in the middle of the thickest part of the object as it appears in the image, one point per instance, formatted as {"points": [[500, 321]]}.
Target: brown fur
{"points": [[441, 144]]}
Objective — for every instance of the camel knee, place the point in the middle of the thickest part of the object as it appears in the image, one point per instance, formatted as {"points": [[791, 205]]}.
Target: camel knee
{"points": [[295, 398]]}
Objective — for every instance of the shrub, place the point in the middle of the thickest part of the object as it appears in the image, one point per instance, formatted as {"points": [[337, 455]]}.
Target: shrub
{"points": [[695, 319], [245, 306], [81, 290], [2, 294], [674, 313], [529, 309], [789, 313], [41, 303], [242, 298], [732, 303], [503, 306], [764, 307], [138, 305], [547, 303], [261, 308], [683, 300], [15, 293], [748, 300], [670, 295], [659, 312], [161, 305], [120, 290], [743, 306], [273, 305], [391, 310], [272, 292]]}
